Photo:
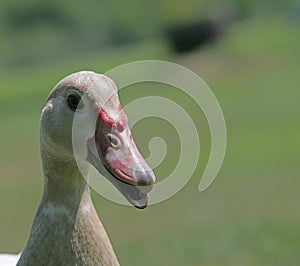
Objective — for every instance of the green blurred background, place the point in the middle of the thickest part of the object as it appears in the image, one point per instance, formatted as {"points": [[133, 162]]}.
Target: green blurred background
{"points": [[250, 215]]}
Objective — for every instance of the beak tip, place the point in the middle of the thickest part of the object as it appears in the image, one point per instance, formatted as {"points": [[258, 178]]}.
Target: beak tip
{"points": [[141, 203], [144, 178], [141, 207]]}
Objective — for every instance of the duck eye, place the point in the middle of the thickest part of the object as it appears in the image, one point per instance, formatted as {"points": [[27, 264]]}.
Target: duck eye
{"points": [[74, 102]]}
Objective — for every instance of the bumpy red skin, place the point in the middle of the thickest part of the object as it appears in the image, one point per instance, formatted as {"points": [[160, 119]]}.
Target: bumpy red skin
{"points": [[120, 124]]}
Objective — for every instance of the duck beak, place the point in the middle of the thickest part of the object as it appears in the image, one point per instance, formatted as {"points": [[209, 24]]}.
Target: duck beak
{"points": [[124, 165]]}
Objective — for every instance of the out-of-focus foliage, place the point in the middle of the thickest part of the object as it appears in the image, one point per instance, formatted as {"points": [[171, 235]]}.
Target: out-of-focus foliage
{"points": [[42, 30], [250, 215]]}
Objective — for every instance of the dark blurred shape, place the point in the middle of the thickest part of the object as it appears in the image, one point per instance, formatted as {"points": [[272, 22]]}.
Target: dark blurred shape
{"points": [[186, 37]]}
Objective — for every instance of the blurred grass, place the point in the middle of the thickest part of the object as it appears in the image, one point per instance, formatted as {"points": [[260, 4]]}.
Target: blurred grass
{"points": [[249, 216]]}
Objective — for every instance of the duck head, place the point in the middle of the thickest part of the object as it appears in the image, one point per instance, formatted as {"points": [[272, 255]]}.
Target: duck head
{"points": [[83, 111]]}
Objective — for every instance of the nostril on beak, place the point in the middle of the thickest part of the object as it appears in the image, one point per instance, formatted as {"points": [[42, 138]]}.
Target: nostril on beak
{"points": [[144, 178]]}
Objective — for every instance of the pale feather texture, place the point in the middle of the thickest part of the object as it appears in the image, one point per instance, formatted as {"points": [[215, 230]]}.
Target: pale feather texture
{"points": [[66, 229]]}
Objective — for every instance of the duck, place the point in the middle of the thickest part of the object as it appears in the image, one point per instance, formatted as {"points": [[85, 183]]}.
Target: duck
{"points": [[66, 229]]}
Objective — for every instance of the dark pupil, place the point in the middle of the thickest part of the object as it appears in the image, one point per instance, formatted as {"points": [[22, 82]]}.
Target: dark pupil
{"points": [[73, 101]]}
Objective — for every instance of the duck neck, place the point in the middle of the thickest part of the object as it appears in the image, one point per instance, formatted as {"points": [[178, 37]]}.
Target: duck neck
{"points": [[66, 229]]}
